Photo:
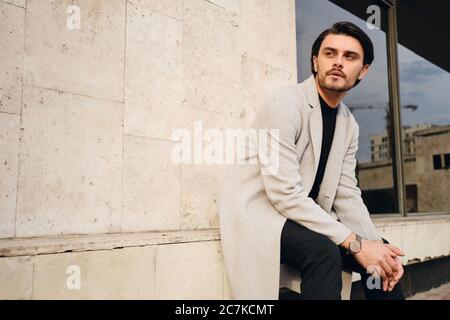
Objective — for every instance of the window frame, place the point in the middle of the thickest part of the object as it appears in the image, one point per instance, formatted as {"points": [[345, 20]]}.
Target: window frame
{"points": [[397, 146]]}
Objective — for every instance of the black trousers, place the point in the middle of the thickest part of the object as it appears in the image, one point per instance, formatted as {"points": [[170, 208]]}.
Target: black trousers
{"points": [[321, 262]]}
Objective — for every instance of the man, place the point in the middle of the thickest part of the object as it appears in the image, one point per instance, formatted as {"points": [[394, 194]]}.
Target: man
{"points": [[308, 213]]}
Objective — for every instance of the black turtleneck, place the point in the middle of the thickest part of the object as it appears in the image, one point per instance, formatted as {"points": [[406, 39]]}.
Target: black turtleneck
{"points": [[328, 125]]}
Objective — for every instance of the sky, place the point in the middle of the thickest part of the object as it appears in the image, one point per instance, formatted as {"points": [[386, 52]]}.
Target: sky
{"points": [[421, 82]]}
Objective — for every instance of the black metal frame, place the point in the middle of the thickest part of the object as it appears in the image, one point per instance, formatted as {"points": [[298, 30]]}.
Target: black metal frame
{"points": [[394, 105]]}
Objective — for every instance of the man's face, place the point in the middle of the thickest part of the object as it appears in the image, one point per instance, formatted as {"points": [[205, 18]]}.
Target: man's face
{"points": [[339, 62]]}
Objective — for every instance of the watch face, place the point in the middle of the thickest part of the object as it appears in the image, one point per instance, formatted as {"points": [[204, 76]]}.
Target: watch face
{"points": [[355, 246]]}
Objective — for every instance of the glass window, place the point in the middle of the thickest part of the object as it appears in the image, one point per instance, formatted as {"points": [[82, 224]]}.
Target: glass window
{"points": [[437, 163], [425, 114], [368, 101], [447, 160]]}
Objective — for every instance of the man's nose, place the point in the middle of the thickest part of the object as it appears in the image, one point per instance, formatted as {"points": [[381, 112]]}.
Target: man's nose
{"points": [[338, 61]]}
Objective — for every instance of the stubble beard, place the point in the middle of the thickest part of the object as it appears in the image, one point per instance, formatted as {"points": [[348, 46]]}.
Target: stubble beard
{"points": [[336, 88]]}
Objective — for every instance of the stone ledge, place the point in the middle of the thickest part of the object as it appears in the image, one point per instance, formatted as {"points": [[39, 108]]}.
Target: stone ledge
{"points": [[411, 219], [77, 243]]}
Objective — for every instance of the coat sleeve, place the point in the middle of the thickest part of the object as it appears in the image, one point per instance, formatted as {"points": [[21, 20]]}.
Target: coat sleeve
{"points": [[280, 122], [348, 203]]}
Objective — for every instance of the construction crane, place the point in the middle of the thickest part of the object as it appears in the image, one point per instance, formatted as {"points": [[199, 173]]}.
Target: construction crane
{"points": [[413, 107]]}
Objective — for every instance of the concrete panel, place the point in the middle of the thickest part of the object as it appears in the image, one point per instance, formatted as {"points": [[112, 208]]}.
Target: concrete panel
{"points": [[154, 90], [171, 8], [11, 57], [16, 278], [111, 274], [18, 3], [258, 80], [200, 183], [232, 5], [151, 192], [268, 32], [9, 164], [211, 58], [88, 60], [189, 271], [70, 165]]}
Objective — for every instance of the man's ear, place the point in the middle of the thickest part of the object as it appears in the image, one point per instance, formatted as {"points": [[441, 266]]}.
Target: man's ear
{"points": [[363, 71], [315, 63]]}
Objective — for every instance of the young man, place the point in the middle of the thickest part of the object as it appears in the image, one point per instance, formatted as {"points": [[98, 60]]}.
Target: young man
{"points": [[308, 213]]}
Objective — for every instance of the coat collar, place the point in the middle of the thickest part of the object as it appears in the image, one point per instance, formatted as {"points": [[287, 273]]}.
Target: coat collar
{"points": [[337, 152]]}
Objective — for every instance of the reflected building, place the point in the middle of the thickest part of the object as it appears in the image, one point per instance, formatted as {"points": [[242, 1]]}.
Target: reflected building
{"points": [[380, 144], [427, 160]]}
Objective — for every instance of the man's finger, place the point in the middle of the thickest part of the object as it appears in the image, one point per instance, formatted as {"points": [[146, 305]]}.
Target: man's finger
{"points": [[378, 272], [387, 268], [392, 263], [396, 250], [385, 284], [400, 270], [397, 276], [392, 284]]}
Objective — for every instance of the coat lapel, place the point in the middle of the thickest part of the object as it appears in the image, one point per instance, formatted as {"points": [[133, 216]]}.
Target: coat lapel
{"points": [[335, 158], [315, 119], [334, 163]]}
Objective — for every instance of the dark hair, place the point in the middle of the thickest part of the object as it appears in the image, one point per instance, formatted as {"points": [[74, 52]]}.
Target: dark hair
{"points": [[348, 29]]}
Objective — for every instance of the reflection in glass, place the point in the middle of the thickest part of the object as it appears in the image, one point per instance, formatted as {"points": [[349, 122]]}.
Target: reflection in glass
{"points": [[426, 132]]}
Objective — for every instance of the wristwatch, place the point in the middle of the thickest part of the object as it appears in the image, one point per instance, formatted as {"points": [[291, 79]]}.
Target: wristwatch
{"points": [[355, 245]]}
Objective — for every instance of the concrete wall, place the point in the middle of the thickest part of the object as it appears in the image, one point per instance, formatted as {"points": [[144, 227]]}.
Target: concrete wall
{"points": [[86, 121]]}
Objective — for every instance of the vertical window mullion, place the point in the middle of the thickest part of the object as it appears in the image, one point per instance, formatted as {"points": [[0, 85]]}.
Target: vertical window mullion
{"points": [[394, 97]]}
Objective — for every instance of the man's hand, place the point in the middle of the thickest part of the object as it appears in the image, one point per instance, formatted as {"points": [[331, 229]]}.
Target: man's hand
{"points": [[386, 256], [397, 276]]}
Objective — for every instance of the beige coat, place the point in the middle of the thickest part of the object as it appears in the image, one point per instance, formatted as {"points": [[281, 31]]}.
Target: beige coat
{"points": [[253, 207]]}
